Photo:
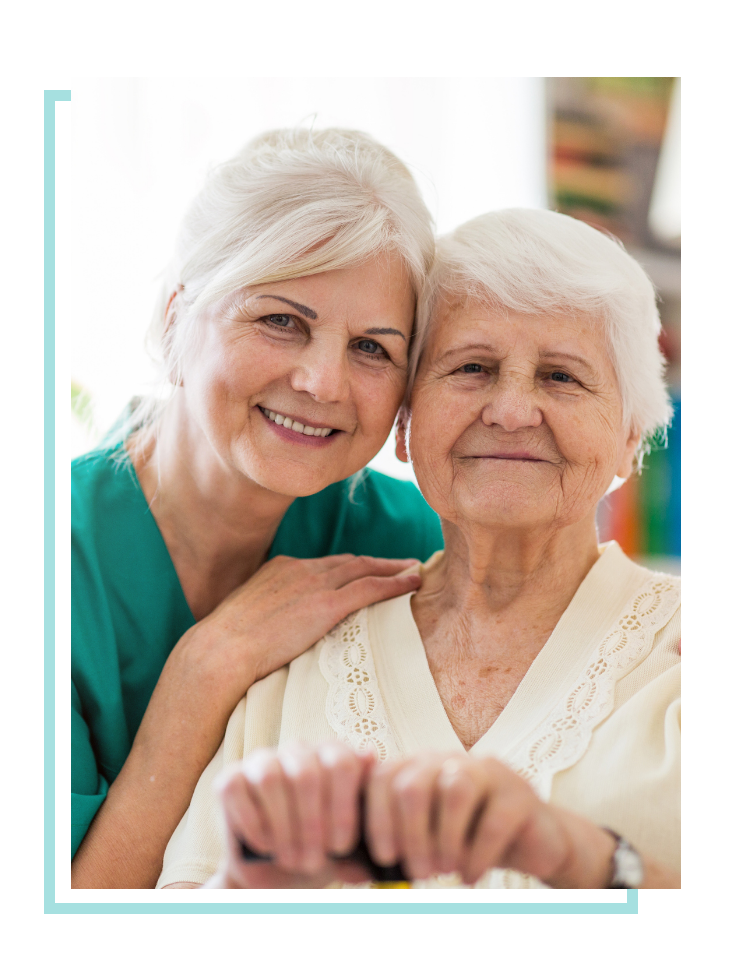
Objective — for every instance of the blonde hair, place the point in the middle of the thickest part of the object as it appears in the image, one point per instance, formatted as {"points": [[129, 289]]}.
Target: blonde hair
{"points": [[293, 202], [538, 262]]}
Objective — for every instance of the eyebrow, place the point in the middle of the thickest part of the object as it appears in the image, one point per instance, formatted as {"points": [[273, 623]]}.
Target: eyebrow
{"points": [[305, 310], [553, 354], [546, 354], [385, 332], [468, 349]]}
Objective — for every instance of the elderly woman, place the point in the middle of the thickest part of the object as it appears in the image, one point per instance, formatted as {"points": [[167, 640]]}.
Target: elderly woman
{"points": [[523, 704], [284, 329]]}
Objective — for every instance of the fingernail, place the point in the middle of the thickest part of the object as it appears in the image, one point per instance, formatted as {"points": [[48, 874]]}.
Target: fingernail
{"points": [[420, 868], [342, 842], [311, 862], [384, 855]]}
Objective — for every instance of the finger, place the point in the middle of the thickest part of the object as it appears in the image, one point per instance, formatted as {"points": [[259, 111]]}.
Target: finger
{"points": [[366, 566], [459, 794], [268, 785], [413, 788], [345, 772], [506, 811], [243, 815], [324, 564], [306, 786], [371, 590], [380, 827]]}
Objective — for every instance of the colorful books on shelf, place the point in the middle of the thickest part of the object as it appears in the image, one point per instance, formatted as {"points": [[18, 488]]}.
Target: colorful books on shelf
{"points": [[644, 515]]}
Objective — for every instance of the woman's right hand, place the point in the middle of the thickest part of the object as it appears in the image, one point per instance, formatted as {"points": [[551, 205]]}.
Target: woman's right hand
{"points": [[285, 607], [268, 621]]}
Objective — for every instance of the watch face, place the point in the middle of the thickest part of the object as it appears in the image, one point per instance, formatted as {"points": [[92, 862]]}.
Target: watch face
{"points": [[628, 871]]}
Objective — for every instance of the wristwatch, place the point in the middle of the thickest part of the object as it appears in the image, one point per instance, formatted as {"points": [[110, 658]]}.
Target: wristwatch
{"points": [[627, 868]]}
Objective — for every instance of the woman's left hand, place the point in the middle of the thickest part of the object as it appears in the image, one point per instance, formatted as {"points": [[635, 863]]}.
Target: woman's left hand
{"points": [[439, 813]]}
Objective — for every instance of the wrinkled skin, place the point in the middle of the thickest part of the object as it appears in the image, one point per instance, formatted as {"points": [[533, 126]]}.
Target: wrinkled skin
{"points": [[491, 385]]}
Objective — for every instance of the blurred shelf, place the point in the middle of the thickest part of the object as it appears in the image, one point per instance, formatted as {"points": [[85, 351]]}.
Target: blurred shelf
{"points": [[663, 564]]}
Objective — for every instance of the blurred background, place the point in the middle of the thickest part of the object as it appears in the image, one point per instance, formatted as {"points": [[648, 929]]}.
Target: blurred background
{"points": [[605, 150]]}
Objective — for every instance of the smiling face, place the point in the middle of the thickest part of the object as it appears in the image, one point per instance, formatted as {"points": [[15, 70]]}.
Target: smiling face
{"points": [[295, 384], [516, 421]]}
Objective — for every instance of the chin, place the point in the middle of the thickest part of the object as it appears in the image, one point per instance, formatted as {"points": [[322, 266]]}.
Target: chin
{"points": [[506, 505], [296, 485], [285, 479]]}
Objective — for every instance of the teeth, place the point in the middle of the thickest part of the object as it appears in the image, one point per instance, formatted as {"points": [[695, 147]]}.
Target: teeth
{"points": [[289, 424]]}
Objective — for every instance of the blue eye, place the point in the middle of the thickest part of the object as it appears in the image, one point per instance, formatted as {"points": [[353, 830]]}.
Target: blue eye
{"points": [[280, 320], [370, 348]]}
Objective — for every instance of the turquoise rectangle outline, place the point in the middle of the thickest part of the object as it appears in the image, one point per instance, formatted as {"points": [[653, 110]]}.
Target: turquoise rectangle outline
{"points": [[50, 903], [362, 908]]}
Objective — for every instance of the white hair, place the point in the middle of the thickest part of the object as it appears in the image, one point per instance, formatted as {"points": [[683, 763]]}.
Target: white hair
{"points": [[538, 262], [293, 202]]}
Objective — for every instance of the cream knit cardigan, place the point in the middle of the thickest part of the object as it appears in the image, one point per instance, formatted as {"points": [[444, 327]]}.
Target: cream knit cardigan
{"points": [[594, 725]]}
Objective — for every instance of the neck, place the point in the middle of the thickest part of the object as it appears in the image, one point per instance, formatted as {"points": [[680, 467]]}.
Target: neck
{"points": [[498, 570], [217, 524]]}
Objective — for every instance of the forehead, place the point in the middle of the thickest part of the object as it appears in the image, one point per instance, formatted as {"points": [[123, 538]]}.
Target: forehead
{"points": [[378, 286], [463, 323]]}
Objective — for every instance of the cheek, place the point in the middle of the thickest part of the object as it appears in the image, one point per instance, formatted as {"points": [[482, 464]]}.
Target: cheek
{"points": [[436, 424], [377, 399], [591, 445], [238, 371]]}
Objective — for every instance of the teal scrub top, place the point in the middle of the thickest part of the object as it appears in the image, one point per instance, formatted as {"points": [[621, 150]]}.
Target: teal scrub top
{"points": [[128, 608]]}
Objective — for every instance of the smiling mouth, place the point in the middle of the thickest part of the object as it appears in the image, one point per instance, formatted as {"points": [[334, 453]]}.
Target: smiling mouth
{"points": [[283, 420], [510, 457]]}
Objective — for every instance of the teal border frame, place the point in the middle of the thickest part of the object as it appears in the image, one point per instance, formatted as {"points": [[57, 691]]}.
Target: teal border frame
{"points": [[51, 97]]}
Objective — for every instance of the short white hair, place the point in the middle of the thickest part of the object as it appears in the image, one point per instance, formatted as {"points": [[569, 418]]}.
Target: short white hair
{"points": [[292, 202], [539, 262]]}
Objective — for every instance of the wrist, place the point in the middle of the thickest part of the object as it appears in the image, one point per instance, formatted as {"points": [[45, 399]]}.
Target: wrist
{"points": [[215, 661], [587, 863]]}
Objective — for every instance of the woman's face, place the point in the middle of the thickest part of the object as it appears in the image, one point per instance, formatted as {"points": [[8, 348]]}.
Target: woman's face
{"points": [[516, 421], [295, 384]]}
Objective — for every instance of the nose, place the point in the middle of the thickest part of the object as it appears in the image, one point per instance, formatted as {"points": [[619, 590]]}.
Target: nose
{"points": [[322, 372], [512, 404]]}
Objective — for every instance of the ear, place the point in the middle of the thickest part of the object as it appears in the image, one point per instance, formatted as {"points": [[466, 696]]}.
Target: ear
{"points": [[627, 461], [170, 318], [401, 436], [170, 313]]}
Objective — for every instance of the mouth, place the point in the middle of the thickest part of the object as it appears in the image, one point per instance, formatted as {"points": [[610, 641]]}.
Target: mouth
{"points": [[511, 456], [297, 425]]}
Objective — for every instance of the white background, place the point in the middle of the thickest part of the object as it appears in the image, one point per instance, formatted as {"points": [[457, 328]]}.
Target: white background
{"points": [[142, 147]]}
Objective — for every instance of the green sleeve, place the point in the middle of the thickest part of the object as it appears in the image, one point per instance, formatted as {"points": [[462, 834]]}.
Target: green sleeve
{"points": [[89, 788]]}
